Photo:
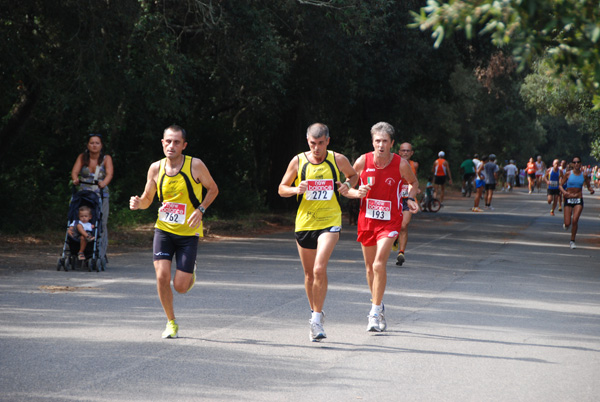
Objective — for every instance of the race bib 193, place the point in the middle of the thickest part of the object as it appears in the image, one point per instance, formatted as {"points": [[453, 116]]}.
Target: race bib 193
{"points": [[319, 190], [379, 209], [172, 212]]}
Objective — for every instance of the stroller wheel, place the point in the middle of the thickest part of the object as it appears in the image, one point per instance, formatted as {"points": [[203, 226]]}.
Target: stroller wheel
{"points": [[60, 264], [93, 265], [102, 262]]}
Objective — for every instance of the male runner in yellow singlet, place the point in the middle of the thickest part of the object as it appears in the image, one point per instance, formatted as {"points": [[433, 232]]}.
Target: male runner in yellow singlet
{"points": [[178, 179], [317, 187]]}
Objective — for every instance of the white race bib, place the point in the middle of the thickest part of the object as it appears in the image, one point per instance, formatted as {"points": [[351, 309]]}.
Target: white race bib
{"points": [[379, 209], [553, 183], [319, 190], [172, 212]]}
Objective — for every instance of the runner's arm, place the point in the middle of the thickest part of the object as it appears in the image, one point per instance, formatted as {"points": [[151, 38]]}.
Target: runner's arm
{"points": [[351, 176], [147, 197], [449, 172], [285, 187], [408, 175], [202, 176], [362, 190]]}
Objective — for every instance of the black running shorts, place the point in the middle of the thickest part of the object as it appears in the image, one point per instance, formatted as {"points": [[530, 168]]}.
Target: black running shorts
{"points": [[184, 248], [310, 238]]}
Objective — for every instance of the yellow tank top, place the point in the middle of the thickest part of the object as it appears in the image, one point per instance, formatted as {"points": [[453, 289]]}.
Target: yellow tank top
{"points": [[319, 206], [180, 195]]}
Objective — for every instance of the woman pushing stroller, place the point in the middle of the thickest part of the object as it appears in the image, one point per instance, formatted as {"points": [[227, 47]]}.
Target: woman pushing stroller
{"points": [[93, 165]]}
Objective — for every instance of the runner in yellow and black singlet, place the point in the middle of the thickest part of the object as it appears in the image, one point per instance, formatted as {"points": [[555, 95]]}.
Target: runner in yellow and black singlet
{"points": [[316, 176], [178, 179]]}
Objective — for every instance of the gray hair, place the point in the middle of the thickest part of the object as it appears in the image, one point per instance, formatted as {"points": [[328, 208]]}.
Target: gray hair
{"points": [[383, 127], [317, 130]]}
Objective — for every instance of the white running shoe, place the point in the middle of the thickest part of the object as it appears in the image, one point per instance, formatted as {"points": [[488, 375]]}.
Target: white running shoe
{"points": [[317, 332], [377, 322], [572, 244]]}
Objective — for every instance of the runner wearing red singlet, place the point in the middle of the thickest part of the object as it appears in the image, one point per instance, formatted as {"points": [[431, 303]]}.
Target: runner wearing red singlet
{"points": [[380, 219]]}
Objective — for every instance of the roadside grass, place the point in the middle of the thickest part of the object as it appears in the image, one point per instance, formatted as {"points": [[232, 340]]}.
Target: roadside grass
{"points": [[140, 234]]}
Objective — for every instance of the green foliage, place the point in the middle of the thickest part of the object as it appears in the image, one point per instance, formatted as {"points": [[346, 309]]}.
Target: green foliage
{"points": [[245, 79], [567, 30], [555, 100]]}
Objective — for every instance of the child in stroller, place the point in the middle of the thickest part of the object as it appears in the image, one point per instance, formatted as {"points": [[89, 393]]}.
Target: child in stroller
{"points": [[81, 230], [81, 245]]}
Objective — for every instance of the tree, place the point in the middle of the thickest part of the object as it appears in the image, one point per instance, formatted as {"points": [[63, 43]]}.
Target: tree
{"points": [[568, 31]]}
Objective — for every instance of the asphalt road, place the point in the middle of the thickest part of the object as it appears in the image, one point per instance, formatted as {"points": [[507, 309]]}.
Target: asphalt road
{"points": [[490, 306]]}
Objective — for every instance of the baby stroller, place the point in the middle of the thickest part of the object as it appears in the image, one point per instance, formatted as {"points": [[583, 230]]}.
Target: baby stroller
{"points": [[69, 258]]}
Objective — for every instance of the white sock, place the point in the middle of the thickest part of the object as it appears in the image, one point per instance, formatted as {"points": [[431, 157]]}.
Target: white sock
{"points": [[316, 317], [375, 309]]}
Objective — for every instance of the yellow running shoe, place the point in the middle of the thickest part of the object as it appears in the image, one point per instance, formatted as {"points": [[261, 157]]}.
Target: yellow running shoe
{"points": [[395, 245], [171, 330]]}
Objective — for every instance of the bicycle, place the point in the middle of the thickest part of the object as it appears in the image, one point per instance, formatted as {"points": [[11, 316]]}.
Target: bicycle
{"points": [[430, 204], [468, 187]]}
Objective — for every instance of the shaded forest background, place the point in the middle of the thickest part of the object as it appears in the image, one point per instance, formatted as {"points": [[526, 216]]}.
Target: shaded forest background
{"points": [[245, 78]]}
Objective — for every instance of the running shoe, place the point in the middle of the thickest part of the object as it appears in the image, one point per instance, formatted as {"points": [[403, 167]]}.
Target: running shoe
{"points": [[565, 227], [400, 259], [322, 316], [559, 209], [377, 322], [316, 332], [193, 279], [477, 209], [395, 245], [171, 330], [572, 244], [551, 212]]}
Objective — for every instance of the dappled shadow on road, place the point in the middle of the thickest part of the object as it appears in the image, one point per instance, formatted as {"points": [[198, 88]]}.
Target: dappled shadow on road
{"points": [[371, 348]]}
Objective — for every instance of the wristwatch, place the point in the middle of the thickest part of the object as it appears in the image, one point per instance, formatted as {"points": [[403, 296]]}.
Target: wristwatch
{"points": [[201, 209]]}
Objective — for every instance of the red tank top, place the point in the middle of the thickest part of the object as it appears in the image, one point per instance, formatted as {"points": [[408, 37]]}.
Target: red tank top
{"points": [[382, 206]]}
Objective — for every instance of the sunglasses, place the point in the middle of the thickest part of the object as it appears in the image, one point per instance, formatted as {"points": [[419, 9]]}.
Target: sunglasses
{"points": [[96, 135], [576, 161]]}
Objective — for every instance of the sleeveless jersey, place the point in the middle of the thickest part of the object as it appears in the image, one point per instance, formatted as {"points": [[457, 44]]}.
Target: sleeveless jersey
{"points": [[382, 206], [539, 168], [440, 169], [575, 181], [530, 168], [553, 179], [319, 207], [180, 196], [412, 166]]}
